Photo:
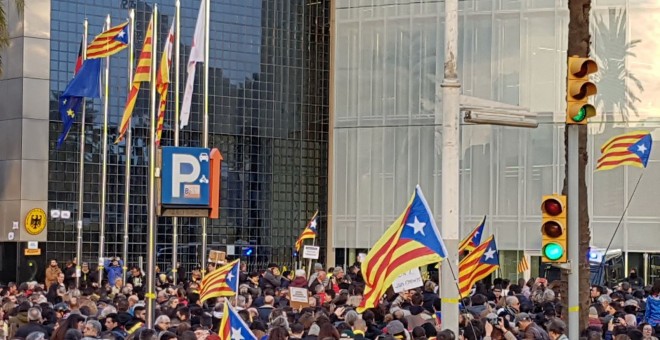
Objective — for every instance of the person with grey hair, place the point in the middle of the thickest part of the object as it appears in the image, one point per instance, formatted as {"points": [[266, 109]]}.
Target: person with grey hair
{"points": [[92, 329], [33, 325], [36, 336], [162, 323]]}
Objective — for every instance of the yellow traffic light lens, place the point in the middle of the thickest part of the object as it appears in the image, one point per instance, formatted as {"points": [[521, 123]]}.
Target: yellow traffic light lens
{"points": [[553, 251], [552, 229]]}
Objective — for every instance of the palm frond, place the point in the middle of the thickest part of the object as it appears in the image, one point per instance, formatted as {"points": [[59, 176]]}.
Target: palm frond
{"points": [[4, 28]]}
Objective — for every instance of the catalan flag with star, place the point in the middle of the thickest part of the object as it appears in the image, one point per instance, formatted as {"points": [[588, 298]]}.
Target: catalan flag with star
{"points": [[142, 74], [232, 326], [413, 240], [631, 148], [220, 282], [310, 231], [85, 84], [472, 241], [109, 42], [480, 263]]}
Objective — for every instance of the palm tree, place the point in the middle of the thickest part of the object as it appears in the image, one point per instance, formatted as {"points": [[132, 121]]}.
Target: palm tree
{"points": [[4, 30], [617, 86]]}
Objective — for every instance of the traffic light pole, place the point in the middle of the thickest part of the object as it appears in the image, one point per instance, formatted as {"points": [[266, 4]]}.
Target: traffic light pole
{"points": [[573, 232]]}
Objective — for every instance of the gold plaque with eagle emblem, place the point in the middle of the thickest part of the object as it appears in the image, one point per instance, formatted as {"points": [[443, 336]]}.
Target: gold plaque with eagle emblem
{"points": [[35, 221]]}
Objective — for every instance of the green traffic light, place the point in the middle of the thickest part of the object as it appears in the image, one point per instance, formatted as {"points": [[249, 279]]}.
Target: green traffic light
{"points": [[581, 115], [553, 251]]}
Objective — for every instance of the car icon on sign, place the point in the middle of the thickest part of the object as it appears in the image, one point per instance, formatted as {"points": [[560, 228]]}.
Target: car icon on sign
{"points": [[203, 157]]}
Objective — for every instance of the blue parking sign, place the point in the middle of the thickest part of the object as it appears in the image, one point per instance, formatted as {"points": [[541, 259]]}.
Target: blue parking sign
{"points": [[185, 176]]}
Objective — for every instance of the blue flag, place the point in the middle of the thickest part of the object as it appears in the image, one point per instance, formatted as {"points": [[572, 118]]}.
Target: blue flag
{"points": [[86, 83]]}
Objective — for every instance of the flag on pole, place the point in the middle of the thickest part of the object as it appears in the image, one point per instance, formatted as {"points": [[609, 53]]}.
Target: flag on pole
{"points": [[163, 82], [142, 72], [196, 56], [79, 59], [109, 42], [413, 240], [220, 282], [523, 265], [309, 232], [631, 148], [232, 326], [86, 83], [474, 239], [481, 262]]}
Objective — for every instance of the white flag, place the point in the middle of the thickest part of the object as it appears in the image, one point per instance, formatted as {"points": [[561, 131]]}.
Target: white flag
{"points": [[196, 55]]}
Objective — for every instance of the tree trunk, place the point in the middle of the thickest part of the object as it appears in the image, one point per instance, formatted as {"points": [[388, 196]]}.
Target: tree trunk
{"points": [[578, 45]]}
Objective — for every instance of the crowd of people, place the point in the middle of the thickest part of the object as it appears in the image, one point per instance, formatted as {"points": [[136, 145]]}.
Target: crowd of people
{"points": [[59, 309]]}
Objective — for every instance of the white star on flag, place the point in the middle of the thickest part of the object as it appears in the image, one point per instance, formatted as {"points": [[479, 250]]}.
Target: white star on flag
{"points": [[641, 148], [418, 226], [236, 334], [490, 254], [230, 276], [121, 34]]}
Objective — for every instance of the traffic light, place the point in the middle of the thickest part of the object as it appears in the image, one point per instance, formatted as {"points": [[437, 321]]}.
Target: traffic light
{"points": [[553, 229], [578, 90]]}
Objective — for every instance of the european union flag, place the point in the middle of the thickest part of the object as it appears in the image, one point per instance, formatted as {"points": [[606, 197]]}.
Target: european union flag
{"points": [[86, 83]]}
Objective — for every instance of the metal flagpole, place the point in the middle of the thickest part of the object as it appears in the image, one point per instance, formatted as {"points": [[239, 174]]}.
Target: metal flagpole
{"points": [[207, 15], [81, 172], [104, 166], [151, 246], [129, 146], [175, 221]]}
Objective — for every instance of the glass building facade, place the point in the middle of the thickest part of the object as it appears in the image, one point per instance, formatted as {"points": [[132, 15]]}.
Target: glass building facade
{"points": [[268, 104], [388, 66]]}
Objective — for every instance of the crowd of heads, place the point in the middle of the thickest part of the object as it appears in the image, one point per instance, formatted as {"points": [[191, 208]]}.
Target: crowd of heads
{"points": [[71, 306]]}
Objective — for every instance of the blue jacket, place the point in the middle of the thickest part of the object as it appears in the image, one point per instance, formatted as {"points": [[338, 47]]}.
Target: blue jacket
{"points": [[652, 315], [113, 272]]}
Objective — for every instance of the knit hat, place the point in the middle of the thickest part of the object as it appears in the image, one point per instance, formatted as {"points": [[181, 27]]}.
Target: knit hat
{"points": [[593, 311]]}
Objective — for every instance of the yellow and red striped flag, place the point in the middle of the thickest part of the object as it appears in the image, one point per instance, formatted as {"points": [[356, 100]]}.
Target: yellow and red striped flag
{"points": [[142, 73], [523, 265], [480, 263], [310, 231], [631, 148], [220, 282], [163, 82], [472, 240], [109, 42], [412, 241]]}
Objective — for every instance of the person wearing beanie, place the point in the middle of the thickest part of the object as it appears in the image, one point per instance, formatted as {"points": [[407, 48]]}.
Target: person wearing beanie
{"points": [[594, 320], [300, 279]]}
